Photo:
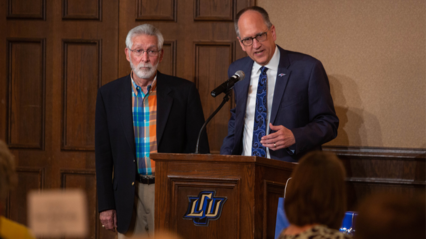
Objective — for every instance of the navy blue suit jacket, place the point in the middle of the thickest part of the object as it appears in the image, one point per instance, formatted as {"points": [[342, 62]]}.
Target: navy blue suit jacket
{"points": [[301, 103], [179, 119]]}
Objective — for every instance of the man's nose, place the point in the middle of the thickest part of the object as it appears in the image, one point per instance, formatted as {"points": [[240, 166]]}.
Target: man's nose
{"points": [[145, 56], [256, 43]]}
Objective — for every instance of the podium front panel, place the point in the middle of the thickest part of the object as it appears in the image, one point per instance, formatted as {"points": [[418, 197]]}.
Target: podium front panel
{"points": [[206, 206], [214, 196]]}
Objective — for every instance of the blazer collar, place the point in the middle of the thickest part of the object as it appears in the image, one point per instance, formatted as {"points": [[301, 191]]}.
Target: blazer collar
{"points": [[283, 76]]}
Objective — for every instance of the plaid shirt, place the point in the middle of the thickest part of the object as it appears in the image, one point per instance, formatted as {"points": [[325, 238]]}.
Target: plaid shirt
{"points": [[144, 109]]}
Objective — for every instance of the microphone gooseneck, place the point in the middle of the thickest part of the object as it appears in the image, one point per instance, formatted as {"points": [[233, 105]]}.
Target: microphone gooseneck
{"points": [[223, 88]]}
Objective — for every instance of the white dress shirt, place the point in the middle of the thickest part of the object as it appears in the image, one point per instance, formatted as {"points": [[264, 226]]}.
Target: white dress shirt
{"points": [[251, 100]]}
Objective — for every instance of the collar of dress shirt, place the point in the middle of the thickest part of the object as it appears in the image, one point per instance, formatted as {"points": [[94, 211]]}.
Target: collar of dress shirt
{"points": [[272, 64], [134, 85]]}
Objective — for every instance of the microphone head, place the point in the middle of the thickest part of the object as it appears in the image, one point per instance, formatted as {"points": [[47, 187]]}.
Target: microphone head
{"points": [[240, 74]]}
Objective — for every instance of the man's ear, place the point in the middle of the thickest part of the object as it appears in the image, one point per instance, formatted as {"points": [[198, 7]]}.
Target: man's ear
{"points": [[274, 34], [126, 51]]}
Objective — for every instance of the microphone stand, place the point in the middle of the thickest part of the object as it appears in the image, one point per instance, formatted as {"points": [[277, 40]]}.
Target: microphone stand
{"points": [[225, 99]]}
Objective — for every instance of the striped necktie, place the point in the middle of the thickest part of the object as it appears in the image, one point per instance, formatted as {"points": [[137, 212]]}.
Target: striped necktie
{"points": [[259, 129]]}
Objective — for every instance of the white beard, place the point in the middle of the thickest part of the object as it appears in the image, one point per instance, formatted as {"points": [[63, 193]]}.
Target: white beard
{"points": [[145, 70]]}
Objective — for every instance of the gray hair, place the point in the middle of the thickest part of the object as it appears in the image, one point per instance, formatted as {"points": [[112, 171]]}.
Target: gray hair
{"points": [[144, 29], [253, 8]]}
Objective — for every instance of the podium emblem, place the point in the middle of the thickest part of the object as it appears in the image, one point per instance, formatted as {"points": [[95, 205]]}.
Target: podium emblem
{"points": [[204, 208]]}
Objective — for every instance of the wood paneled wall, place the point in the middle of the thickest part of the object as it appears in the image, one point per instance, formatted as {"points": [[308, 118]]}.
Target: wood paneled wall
{"points": [[371, 170], [58, 53]]}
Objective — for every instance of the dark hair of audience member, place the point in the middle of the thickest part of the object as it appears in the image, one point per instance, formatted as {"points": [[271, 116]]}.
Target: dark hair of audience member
{"points": [[316, 194], [391, 216]]}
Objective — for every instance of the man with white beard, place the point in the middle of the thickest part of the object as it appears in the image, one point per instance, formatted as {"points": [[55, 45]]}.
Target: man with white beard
{"points": [[142, 113]]}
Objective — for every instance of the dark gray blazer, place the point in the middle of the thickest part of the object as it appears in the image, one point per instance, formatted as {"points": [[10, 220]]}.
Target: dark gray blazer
{"points": [[179, 119], [302, 103]]}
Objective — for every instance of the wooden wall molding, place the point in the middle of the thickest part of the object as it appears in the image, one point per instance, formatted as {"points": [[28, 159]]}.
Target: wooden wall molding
{"points": [[16, 15], [169, 63], [78, 134], [75, 172], [272, 191], [386, 181], [84, 179], [36, 170], [26, 98], [380, 152], [147, 10], [211, 62], [19, 195], [373, 169], [200, 9], [95, 15], [198, 56]]}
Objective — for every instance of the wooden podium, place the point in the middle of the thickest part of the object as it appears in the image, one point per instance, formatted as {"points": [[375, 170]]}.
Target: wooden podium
{"points": [[216, 196]]}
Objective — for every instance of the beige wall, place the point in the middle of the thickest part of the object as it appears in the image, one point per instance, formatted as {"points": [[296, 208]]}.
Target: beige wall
{"points": [[374, 53]]}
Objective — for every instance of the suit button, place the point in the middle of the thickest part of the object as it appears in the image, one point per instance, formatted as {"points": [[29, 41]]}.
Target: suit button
{"points": [[134, 161], [133, 183]]}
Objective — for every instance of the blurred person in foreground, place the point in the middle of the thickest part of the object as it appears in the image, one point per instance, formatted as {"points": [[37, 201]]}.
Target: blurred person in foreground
{"points": [[8, 179], [391, 216], [315, 201]]}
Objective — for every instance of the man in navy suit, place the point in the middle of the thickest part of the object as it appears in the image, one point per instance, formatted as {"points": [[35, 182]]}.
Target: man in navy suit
{"points": [[139, 114], [299, 114]]}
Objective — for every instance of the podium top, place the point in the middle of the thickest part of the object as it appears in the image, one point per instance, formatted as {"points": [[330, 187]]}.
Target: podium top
{"points": [[158, 157]]}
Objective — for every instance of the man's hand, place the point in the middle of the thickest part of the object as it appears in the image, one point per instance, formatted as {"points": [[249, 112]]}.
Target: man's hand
{"points": [[282, 138], [108, 219]]}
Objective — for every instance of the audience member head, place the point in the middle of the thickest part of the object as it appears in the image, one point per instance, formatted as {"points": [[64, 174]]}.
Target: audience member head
{"points": [[316, 192], [391, 215], [8, 176]]}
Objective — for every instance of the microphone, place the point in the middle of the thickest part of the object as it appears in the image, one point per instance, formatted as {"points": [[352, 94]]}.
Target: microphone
{"points": [[227, 85]]}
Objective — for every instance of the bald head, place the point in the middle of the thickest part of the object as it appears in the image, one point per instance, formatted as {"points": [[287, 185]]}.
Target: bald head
{"points": [[256, 38], [260, 10]]}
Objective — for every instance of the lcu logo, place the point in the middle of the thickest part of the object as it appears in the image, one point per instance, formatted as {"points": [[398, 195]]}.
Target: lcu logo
{"points": [[205, 207]]}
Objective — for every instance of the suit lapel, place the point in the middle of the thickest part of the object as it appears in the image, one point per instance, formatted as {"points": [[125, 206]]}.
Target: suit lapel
{"points": [[164, 105], [283, 75], [126, 115]]}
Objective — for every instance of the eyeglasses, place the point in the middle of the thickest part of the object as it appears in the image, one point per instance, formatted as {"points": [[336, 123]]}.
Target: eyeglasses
{"points": [[140, 52], [248, 41]]}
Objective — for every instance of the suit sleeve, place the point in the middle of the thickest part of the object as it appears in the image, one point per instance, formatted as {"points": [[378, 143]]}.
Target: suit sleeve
{"points": [[323, 122], [228, 141], [104, 159], [194, 122]]}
